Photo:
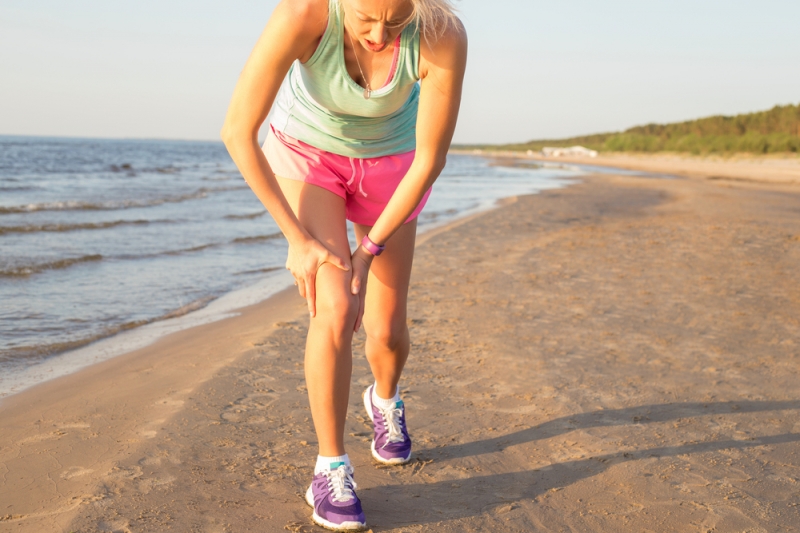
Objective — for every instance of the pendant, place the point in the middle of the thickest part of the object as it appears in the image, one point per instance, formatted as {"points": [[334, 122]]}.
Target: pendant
{"points": [[366, 93]]}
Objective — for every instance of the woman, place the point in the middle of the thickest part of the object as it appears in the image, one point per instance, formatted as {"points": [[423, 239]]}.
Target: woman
{"points": [[360, 131]]}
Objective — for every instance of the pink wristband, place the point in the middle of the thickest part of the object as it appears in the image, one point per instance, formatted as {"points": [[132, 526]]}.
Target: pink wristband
{"points": [[371, 247]]}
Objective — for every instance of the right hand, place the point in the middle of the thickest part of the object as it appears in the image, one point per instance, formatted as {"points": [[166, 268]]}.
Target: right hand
{"points": [[303, 261]]}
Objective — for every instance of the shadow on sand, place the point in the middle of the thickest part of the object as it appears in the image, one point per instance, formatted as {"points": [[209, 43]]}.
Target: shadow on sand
{"points": [[422, 503]]}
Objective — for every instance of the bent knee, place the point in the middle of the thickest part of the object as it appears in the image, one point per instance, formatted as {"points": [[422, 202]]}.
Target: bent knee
{"points": [[336, 306]]}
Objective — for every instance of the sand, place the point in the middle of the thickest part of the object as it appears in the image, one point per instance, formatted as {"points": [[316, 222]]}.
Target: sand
{"points": [[776, 168], [619, 355]]}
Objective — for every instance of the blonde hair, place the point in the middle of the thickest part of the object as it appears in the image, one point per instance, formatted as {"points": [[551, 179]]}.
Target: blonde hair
{"points": [[434, 17]]}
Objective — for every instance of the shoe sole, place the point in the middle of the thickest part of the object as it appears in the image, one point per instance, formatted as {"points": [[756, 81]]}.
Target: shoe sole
{"points": [[375, 455], [344, 526]]}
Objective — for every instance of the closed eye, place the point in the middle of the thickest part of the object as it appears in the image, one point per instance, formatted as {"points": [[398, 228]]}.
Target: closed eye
{"points": [[389, 24]]}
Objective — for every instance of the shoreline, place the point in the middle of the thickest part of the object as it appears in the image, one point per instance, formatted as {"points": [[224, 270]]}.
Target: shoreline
{"points": [[118, 344], [228, 304], [614, 355], [20, 371], [778, 170], [175, 362]]}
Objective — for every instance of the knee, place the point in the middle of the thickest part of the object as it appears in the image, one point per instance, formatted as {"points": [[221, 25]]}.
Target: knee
{"points": [[337, 308], [389, 335]]}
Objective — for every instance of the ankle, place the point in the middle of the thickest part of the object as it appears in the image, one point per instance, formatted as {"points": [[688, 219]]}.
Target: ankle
{"points": [[330, 463], [385, 402]]}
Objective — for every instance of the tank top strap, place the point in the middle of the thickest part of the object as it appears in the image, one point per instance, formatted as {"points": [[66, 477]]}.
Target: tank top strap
{"points": [[330, 37], [330, 49], [323, 106]]}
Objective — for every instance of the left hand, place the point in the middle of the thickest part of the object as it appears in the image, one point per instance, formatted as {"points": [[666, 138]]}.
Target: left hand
{"points": [[361, 261]]}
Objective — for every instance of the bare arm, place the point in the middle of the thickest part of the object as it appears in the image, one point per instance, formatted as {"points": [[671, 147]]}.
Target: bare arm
{"points": [[291, 33], [442, 74], [442, 68]]}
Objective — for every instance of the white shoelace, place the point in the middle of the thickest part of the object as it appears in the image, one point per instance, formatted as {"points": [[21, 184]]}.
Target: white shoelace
{"points": [[340, 481], [394, 428]]}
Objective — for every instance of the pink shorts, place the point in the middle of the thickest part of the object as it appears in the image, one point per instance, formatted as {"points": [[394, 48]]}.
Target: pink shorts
{"points": [[366, 185]]}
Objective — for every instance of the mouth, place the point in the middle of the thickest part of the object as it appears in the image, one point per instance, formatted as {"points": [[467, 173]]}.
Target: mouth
{"points": [[374, 47]]}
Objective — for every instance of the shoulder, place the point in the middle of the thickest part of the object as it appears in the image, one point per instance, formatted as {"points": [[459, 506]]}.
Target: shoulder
{"points": [[300, 21], [447, 50], [306, 11], [306, 16]]}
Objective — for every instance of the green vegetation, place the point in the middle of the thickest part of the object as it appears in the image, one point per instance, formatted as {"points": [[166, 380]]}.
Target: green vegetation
{"points": [[765, 132]]}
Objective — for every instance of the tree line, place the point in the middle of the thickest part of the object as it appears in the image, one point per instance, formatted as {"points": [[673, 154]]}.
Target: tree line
{"points": [[765, 132]]}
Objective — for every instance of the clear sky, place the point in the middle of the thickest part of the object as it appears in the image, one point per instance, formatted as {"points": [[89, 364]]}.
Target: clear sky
{"points": [[166, 68]]}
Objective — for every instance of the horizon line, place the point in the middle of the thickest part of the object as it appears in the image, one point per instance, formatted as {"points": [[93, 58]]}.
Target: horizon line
{"points": [[110, 138]]}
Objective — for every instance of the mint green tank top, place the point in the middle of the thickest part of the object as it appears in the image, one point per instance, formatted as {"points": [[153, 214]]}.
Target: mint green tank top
{"points": [[321, 105]]}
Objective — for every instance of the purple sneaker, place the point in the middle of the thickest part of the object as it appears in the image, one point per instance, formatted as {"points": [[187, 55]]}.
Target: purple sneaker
{"points": [[333, 497], [391, 444]]}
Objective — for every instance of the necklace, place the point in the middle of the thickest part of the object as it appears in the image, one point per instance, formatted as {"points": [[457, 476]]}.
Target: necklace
{"points": [[367, 89]]}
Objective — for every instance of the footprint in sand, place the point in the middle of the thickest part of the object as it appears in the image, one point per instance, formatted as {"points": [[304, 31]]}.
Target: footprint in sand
{"points": [[150, 461], [116, 526], [257, 380], [43, 436], [250, 404], [147, 485], [75, 471], [125, 473], [75, 425]]}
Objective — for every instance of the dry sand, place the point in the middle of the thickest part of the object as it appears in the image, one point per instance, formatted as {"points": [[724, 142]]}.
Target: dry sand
{"points": [[778, 169], [619, 355], [774, 168]]}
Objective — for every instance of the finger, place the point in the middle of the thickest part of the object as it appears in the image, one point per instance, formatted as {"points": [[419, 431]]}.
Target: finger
{"points": [[301, 287], [360, 314], [355, 283], [338, 262], [311, 290]]}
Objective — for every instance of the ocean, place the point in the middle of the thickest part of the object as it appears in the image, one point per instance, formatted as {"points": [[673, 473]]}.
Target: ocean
{"points": [[103, 238]]}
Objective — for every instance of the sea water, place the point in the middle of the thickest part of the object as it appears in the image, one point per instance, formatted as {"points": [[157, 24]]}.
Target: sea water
{"points": [[100, 237]]}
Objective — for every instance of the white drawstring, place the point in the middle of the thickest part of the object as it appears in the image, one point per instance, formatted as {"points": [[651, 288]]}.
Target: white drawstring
{"points": [[353, 175], [340, 481], [352, 172], [361, 181]]}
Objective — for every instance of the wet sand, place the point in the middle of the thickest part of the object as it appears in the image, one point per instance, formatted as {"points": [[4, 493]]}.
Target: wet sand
{"points": [[619, 355]]}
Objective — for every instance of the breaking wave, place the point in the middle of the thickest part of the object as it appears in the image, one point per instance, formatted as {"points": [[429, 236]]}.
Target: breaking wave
{"points": [[112, 205]]}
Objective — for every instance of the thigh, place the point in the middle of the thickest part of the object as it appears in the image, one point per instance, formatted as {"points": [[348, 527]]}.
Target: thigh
{"points": [[320, 212], [389, 278]]}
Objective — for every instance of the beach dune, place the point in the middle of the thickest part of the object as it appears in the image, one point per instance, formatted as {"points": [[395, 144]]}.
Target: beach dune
{"points": [[618, 355]]}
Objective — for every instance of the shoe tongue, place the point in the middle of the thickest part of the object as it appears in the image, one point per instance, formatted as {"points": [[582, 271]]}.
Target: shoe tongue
{"points": [[337, 464], [398, 405]]}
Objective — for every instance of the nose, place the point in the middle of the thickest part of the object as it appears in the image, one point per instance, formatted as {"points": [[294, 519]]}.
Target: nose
{"points": [[378, 33]]}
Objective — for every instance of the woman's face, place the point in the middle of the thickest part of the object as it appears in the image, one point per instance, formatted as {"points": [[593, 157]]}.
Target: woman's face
{"points": [[376, 23]]}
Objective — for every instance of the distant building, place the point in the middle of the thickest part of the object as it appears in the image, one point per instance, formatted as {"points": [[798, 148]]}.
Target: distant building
{"points": [[572, 151]]}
